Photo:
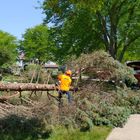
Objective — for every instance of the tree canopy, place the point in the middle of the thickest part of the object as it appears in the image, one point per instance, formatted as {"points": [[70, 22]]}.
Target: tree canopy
{"points": [[58, 11], [83, 26], [36, 43], [8, 44]]}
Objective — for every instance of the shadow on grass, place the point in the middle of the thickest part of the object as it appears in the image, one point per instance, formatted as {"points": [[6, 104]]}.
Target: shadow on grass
{"points": [[20, 128]]}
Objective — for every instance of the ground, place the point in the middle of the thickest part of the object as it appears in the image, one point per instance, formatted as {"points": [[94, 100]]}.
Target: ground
{"points": [[131, 130]]}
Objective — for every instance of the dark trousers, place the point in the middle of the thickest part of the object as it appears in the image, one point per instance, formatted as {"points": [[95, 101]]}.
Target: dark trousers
{"points": [[60, 92]]}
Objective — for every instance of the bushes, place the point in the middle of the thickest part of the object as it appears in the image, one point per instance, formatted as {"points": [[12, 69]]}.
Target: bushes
{"points": [[111, 108], [116, 115], [15, 127]]}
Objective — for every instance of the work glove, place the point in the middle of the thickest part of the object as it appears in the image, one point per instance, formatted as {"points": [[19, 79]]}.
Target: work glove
{"points": [[75, 89]]}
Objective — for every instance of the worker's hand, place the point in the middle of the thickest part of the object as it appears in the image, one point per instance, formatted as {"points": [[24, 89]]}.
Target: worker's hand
{"points": [[75, 89]]}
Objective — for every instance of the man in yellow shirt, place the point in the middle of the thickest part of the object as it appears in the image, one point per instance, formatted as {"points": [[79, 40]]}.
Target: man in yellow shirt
{"points": [[64, 85]]}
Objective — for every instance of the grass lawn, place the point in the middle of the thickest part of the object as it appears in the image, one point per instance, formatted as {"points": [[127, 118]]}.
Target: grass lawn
{"points": [[98, 133]]}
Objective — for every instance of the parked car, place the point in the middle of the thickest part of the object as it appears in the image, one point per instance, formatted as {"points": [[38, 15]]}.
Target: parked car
{"points": [[136, 66]]}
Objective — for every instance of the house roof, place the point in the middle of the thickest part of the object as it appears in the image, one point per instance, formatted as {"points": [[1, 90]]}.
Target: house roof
{"points": [[50, 66]]}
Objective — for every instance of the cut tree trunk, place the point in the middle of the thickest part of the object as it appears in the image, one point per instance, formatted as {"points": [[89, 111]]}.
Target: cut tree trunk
{"points": [[26, 87]]}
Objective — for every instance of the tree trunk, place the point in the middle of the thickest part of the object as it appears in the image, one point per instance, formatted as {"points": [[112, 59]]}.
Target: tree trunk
{"points": [[122, 53], [26, 87]]}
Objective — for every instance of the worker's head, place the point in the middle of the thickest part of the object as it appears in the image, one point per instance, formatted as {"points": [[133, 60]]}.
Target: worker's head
{"points": [[68, 72]]}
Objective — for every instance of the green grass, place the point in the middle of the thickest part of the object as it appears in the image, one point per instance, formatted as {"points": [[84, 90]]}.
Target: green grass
{"points": [[98, 133]]}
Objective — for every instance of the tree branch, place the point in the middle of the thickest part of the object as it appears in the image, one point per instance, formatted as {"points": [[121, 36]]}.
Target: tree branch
{"points": [[126, 47]]}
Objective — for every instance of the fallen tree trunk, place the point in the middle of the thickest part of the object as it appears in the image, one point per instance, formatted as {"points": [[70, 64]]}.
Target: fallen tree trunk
{"points": [[19, 87], [26, 87]]}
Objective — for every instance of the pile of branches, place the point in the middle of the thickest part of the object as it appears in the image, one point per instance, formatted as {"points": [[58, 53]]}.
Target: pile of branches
{"points": [[92, 105], [34, 116], [101, 65], [7, 109]]}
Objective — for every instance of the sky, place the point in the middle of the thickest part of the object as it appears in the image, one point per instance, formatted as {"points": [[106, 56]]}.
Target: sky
{"points": [[18, 15]]}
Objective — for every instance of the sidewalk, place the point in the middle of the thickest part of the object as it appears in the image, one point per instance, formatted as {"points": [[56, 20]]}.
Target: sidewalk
{"points": [[131, 131]]}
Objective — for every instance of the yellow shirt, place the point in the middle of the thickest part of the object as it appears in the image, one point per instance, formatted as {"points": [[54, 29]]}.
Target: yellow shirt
{"points": [[65, 82]]}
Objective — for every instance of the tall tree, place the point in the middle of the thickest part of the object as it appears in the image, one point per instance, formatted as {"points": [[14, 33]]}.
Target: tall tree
{"points": [[36, 43], [69, 25], [8, 44], [81, 28], [58, 11], [119, 24]]}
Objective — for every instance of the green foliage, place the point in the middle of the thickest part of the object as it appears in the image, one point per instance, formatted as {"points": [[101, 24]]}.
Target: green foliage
{"points": [[15, 127], [133, 52], [75, 41], [7, 48], [59, 133], [115, 116], [57, 11], [97, 133], [84, 121], [110, 108], [71, 20], [36, 43], [83, 26]]}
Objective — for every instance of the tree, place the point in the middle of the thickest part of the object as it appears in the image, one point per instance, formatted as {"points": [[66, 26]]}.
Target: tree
{"points": [[133, 52], [8, 46], [58, 11], [119, 23], [36, 43], [65, 16], [113, 25]]}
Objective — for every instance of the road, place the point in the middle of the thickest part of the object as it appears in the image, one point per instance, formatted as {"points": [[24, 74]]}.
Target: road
{"points": [[131, 130]]}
